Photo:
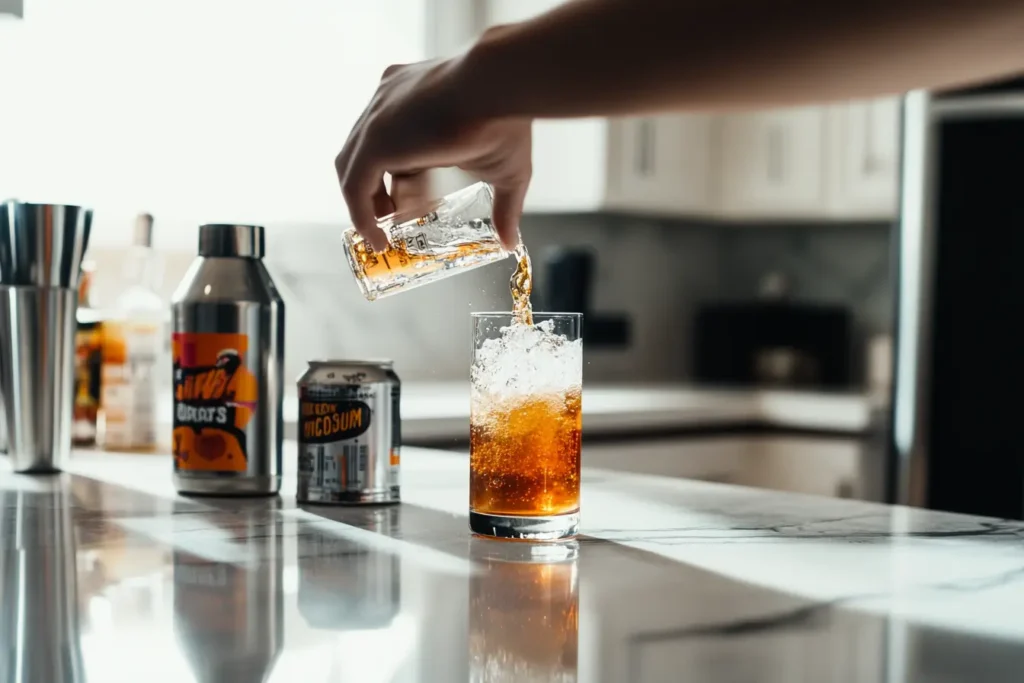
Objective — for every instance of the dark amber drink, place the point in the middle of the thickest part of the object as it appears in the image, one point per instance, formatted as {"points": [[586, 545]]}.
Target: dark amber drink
{"points": [[525, 456], [525, 425]]}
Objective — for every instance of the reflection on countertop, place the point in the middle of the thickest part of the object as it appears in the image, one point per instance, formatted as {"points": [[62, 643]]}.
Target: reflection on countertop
{"points": [[107, 575]]}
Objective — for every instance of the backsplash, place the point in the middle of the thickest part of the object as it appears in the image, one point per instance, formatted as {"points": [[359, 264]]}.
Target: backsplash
{"points": [[654, 270]]}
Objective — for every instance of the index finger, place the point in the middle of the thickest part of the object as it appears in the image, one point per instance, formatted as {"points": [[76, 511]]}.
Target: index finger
{"points": [[358, 185]]}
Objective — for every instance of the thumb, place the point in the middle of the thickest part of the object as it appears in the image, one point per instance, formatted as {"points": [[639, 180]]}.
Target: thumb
{"points": [[508, 209]]}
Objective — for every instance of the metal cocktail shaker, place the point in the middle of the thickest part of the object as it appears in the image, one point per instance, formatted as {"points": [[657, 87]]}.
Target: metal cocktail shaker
{"points": [[41, 249]]}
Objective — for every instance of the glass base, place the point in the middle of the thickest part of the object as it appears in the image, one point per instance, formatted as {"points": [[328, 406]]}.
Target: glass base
{"points": [[550, 528]]}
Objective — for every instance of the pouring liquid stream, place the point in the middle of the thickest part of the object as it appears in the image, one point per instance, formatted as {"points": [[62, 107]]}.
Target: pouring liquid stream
{"points": [[521, 286]]}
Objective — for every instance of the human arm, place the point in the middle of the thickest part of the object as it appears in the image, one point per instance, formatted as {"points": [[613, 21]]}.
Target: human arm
{"points": [[619, 57]]}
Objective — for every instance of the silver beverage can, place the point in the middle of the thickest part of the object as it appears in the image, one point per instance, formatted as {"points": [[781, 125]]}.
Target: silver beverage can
{"points": [[228, 351], [349, 433]]}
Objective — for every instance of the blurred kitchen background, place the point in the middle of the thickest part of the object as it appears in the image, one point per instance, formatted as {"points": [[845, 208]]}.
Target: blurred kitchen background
{"points": [[735, 270]]}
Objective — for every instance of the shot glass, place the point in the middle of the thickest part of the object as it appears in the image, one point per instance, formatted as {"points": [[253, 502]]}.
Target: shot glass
{"points": [[525, 426], [428, 243]]}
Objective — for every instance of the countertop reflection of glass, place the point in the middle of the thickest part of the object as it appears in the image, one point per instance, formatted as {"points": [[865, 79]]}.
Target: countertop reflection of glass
{"points": [[39, 629], [524, 612]]}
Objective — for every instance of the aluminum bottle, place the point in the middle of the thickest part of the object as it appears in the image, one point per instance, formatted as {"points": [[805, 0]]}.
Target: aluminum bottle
{"points": [[228, 351]]}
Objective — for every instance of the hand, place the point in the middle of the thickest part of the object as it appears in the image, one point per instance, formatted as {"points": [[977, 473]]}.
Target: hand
{"points": [[420, 119]]}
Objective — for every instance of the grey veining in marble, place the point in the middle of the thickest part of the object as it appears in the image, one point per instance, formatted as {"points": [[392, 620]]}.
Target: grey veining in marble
{"points": [[107, 575]]}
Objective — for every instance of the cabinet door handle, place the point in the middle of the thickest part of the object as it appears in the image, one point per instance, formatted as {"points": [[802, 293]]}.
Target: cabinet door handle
{"points": [[872, 164], [776, 154], [645, 148]]}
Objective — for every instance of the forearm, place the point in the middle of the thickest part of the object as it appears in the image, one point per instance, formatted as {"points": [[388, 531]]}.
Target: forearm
{"points": [[611, 57]]}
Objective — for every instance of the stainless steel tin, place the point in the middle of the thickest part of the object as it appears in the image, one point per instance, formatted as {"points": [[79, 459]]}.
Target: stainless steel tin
{"points": [[349, 433], [228, 348], [42, 245], [37, 376]]}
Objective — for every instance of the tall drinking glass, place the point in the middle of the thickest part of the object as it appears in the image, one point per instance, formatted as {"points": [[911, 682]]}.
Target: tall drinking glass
{"points": [[525, 425]]}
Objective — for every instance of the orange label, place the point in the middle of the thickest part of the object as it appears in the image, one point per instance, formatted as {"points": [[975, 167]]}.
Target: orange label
{"points": [[215, 397]]}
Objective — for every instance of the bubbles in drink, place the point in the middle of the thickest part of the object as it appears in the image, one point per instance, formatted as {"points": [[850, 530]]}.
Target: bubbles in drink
{"points": [[526, 360], [525, 423]]}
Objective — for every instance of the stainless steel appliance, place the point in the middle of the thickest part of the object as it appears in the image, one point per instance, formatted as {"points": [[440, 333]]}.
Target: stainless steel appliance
{"points": [[567, 279], [41, 249], [773, 343], [955, 441]]}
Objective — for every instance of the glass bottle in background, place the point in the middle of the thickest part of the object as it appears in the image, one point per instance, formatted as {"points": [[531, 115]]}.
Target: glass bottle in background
{"points": [[88, 359], [133, 345]]}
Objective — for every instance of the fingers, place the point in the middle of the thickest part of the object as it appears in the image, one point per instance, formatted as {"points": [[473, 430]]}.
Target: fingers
{"points": [[392, 70], [363, 187], [410, 191], [508, 209], [360, 186], [382, 202]]}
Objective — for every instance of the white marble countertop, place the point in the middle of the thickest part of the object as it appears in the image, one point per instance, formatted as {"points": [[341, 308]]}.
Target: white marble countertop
{"points": [[108, 575], [439, 411]]}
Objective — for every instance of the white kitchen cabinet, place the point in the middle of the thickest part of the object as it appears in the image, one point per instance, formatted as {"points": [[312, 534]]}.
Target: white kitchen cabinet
{"points": [[863, 159], [660, 164], [806, 164], [656, 164], [643, 165], [770, 164], [838, 162], [812, 163]]}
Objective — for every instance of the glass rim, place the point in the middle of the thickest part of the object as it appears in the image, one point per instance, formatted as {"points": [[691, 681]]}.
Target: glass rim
{"points": [[536, 314]]}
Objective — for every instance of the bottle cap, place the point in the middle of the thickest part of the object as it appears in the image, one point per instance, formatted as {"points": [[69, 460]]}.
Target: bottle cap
{"points": [[242, 241], [143, 235]]}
